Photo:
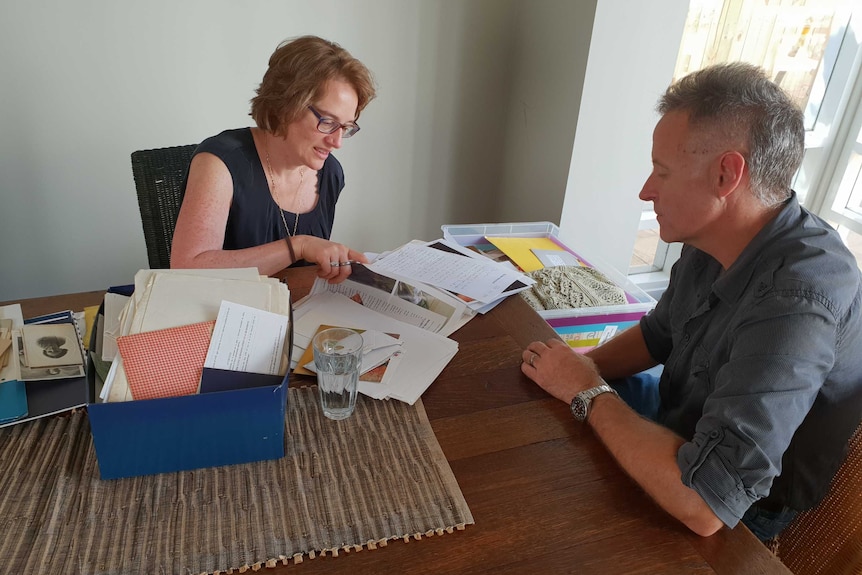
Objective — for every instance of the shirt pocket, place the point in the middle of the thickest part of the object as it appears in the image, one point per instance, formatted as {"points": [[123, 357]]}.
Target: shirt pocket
{"points": [[701, 383]]}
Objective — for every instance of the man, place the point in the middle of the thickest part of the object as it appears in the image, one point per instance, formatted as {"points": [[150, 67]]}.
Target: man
{"points": [[759, 330]]}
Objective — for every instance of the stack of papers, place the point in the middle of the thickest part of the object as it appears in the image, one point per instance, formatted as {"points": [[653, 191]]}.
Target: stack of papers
{"points": [[405, 303], [412, 361], [46, 351], [531, 254], [180, 321], [380, 354], [13, 392], [408, 301], [466, 275], [10, 319]]}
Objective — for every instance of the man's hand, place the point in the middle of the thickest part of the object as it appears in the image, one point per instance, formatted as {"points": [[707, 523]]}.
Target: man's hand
{"points": [[645, 450], [558, 369]]}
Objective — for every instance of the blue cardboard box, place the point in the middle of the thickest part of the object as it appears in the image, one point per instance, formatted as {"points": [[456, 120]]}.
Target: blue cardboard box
{"points": [[236, 418], [209, 429]]}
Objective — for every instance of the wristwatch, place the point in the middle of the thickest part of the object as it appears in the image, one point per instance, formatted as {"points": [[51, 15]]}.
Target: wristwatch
{"points": [[581, 402]]}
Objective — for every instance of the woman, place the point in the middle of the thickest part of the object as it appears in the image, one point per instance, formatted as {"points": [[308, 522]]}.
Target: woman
{"points": [[265, 196]]}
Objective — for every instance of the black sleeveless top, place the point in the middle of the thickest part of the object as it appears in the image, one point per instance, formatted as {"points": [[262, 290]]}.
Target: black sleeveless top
{"points": [[254, 217]]}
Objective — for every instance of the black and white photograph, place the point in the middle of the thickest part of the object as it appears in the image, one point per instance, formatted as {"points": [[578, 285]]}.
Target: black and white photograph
{"points": [[51, 345]]}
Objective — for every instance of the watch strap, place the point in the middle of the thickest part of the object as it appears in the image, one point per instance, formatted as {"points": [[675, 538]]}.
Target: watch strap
{"points": [[581, 402], [598, 390]]}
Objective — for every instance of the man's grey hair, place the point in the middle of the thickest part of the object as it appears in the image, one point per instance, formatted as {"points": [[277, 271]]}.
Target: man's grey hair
{"points": [[740, 104]]}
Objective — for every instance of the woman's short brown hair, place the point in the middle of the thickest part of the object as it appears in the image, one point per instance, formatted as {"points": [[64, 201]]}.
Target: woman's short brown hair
{"points": [[297, 73]]}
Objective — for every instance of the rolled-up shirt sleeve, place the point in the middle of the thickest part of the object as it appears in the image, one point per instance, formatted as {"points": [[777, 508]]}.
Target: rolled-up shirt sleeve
{"points": [[781, 353]]}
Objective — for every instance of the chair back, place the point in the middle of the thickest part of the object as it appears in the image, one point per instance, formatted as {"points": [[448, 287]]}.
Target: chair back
{"points": [[828, 539], [159, 180]]}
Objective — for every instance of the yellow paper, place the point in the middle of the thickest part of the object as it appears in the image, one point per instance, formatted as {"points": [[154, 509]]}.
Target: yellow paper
{"points": [[519, 250], [90, 319], [308, 354]]}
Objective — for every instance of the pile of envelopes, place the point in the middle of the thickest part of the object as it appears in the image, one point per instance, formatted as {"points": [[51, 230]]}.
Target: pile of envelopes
{"points": [[177, 322]]}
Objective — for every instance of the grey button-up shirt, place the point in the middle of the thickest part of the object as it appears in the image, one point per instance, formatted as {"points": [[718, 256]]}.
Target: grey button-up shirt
{"points": [[763, 365]]}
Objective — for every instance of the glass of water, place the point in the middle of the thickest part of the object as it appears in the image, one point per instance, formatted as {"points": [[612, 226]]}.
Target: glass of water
{"points": [[337, 357]]}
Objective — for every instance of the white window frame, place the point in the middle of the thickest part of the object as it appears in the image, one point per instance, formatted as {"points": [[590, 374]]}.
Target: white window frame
{"points": [[828, 145], [826, 196]]}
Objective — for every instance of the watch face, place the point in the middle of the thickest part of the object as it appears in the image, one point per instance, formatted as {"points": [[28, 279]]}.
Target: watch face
{"points": [[579, 408]]}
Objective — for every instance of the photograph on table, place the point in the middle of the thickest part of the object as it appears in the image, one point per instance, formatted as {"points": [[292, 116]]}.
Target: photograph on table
{"points": [[49, 351]]}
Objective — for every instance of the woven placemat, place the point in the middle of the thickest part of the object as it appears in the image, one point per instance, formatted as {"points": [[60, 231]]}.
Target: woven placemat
{"points": [[342, 485]]}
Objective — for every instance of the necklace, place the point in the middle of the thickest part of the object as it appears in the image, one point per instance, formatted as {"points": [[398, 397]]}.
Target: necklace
{"points": [[275, 191]]}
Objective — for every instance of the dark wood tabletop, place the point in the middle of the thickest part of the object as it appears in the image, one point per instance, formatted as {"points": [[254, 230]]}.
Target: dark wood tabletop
{"points": [[545, 494]]}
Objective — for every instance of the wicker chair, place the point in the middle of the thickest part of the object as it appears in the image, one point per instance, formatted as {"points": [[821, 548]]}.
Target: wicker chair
{"points": [[159, 180], [828, 539]]}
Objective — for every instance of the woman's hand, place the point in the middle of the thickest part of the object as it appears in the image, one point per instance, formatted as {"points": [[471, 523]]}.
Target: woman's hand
{"points": [[330, 257]]}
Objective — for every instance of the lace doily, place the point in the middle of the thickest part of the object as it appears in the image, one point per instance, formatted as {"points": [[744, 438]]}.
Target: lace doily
{"points": [[567, 287]]}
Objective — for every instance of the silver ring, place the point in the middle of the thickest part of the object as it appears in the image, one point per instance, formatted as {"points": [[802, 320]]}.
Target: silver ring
{"points": [[336, 264], [532, 357]]}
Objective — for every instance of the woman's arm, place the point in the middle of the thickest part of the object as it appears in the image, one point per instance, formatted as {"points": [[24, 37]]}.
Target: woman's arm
{"points": [[199, 234]]}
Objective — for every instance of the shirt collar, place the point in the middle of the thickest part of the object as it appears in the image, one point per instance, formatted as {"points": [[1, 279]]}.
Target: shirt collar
{"points": [[731, 284]]}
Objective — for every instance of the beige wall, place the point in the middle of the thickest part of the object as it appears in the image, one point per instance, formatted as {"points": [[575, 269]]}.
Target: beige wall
{"points": [[475, 119], [630, 64], [550, 48]]}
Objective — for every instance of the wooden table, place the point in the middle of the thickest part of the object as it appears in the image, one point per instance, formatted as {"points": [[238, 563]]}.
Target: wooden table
{"points": [[545, 494]]}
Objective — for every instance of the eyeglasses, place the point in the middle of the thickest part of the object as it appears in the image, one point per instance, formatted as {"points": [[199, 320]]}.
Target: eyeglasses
{"points": [[329, 126]]}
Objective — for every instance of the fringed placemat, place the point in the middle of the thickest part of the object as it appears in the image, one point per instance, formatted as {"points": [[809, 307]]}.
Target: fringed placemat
{"points": [[376, 476]]}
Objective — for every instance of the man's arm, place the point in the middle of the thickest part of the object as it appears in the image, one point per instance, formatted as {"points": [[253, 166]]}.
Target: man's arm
{"points": [[623, 355], [645, 450]]}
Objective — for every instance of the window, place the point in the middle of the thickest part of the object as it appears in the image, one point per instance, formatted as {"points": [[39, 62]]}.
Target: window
{"points": [[812, 49], [787, 39], [842, 193]]}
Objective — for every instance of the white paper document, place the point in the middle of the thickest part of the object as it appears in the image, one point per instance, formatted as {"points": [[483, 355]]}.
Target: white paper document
{"points": [[556, 258], [422, 357], [114, 304], [521, 282], [411, 302], [247, 339], [466, 276], [377, 348], [173, 300], [143, 277]]}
